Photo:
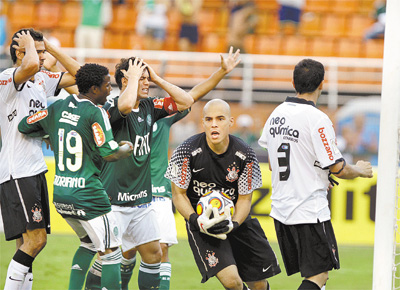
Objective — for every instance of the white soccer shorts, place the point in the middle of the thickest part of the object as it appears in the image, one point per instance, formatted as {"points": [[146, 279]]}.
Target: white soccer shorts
{"points": [[103, 231], [138, 225], [165, 219]]}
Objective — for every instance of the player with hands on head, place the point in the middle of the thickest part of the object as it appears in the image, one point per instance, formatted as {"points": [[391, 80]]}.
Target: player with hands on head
{"points": [[302, 153], [216, 160], [80, 133], [24, 199]]}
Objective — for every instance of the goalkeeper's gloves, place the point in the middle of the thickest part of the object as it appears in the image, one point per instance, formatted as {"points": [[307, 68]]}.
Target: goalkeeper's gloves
{"points": [[202, 223]]}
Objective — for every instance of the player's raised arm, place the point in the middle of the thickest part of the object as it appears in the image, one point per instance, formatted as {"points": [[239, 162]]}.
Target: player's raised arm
{"points": [[182, 98], [26, 54], [128, 98], [70, 64], [125, 149], [227, 65]]}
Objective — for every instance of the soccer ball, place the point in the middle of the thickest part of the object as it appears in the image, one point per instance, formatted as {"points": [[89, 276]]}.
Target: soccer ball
{"points": [[216, 199]]}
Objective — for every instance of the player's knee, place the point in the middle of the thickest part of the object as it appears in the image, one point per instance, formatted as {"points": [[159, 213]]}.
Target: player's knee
{"points": [[38, 239], [164, 249], [233, 283]]}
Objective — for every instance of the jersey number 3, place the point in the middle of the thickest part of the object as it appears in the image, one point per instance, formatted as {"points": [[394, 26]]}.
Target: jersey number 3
{"points": [[284, 161], [73, 148]]}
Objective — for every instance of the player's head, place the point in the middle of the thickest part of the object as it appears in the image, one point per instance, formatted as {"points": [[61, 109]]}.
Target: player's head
{"points": [[144, 81], [39, 44], [94, 80], [308, 76], [217, 121]]}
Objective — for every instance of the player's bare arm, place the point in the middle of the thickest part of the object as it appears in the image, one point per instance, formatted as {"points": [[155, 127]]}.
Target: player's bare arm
{"points": [[181, 201], [70, 64], [128, 98], [125, 149], [182, 99], [27, 56], [50, 64], [242, 208], [347, 171], [227, 65]]}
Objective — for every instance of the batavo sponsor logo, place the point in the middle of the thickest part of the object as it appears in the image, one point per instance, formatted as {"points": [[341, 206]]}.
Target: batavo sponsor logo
{"points": [[325, 142], [51, 75], [98, 134], [37, 117], [184, 171], [249, 175], [158, 103], [5, 82]]}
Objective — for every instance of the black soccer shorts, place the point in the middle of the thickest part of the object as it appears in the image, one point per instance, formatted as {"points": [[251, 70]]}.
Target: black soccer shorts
{"points": [[247, 248], [310, 249], [24, 205]]}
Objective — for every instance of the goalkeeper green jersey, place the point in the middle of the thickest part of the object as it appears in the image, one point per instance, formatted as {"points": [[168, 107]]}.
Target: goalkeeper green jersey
{"points": [[128, 181], [80, 134], [159, 155]]}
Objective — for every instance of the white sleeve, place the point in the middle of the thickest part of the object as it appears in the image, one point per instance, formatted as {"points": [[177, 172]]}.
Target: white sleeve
{"points": [[324, 141], [52, 80], [178, 170], [250, 179], [7, 87]]}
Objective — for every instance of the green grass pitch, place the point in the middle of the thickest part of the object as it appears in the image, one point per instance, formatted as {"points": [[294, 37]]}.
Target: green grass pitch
{"points": [[51, 268]]}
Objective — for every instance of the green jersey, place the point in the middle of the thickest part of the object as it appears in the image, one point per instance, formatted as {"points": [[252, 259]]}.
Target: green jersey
{"points": [[128, 181], [80, 134], [160, 185]]}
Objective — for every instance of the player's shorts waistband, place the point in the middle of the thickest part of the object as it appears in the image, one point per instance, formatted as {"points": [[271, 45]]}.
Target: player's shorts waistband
{"points": [[159, 198]]}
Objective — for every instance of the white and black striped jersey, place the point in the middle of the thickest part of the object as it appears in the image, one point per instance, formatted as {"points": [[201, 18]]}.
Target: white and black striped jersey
{"points": [[22, 156], [301, 145], [195, 167]]}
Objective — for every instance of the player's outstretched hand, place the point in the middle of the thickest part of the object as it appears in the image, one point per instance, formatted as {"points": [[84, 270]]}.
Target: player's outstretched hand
{"points": [[231, 62], [365, 169]]}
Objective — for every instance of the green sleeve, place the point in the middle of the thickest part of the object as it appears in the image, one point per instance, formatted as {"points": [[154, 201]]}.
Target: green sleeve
{"points": [[102, 133], [30, 125]]}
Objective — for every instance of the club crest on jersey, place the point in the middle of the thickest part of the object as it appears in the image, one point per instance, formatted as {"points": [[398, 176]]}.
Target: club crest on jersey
{"points": [[36, 213], [232, 173], [212, 260], [37, 117], [148, 119], [98, 134]]}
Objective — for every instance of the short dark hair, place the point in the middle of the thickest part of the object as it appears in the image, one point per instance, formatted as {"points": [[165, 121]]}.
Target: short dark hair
{"points": [[308, 75], [90, 74], [122, 65], [36, 35]]}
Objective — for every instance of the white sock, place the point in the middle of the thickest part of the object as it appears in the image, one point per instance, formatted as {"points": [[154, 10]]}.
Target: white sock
{"points": [[28, 282], [165, 271], [323, 287], [15, 275]]}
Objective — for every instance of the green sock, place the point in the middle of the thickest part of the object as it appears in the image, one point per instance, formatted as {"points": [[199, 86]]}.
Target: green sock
{"points": [[165, 275], [127, 266], [79, 268], [111, 270], [149, 276], [93, 279]]}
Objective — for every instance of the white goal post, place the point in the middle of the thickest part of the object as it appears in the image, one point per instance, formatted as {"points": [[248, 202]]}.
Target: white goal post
{"points": [[384, 267]]}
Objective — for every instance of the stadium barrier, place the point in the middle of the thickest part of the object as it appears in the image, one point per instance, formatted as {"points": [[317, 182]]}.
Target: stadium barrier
{"points": [[352, 206]]}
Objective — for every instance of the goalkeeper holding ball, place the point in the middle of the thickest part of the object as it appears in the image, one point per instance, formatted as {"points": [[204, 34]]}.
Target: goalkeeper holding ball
{"points": [[236, 249]]}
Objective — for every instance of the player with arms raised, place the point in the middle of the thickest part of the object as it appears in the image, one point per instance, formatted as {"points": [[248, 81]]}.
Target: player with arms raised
{"points": [[216, 160], [80, 134], [302, 153]]}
